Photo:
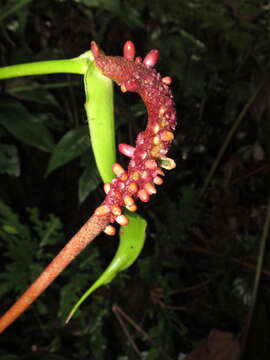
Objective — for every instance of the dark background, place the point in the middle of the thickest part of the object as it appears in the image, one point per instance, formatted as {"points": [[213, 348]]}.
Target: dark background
{"points": [[196, 272]]}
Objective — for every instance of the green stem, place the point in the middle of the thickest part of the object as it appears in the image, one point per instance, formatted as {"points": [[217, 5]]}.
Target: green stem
{"points": [[14, 9], [77, 65]]}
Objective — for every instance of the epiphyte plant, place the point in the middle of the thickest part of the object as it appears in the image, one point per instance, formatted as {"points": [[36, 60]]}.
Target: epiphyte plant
{"points": [[147, 159]]}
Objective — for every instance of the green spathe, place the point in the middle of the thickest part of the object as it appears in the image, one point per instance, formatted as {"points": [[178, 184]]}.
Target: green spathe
{"points": [[132, 238]]}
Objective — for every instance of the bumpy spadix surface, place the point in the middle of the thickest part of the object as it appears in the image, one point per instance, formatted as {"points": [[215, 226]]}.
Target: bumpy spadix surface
{"points": [[148, 155]]}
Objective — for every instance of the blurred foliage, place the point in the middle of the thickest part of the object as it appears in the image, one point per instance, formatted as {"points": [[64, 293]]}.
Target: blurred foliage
{"points": [[197, 269]]}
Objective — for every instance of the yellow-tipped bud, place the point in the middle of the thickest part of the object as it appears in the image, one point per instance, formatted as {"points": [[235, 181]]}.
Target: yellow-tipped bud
{"points": [[150, 188], [143, 195], [132, 208], [123, 88], [110, 230], [107, 187], [132, 188], [122, 220], [117, 169], [162, 111], [156, 140], [135, 176], [156, 128], [167, 135], [155, 151], [124, 176], [102, 210], [167, 163], [158, 180], [167, 80], [116, 210], [128, 200]]}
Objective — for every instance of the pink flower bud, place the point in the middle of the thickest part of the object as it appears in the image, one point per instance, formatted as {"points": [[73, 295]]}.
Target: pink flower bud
{"points": [[126, 149], [151, 58], [129, 50]]}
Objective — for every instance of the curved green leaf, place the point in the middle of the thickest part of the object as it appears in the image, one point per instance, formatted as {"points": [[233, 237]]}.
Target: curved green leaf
{"points": [[132, 238], [34, 94], [73, 144], [24, 126]]}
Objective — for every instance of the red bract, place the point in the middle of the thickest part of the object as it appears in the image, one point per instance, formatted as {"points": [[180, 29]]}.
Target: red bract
{"points": [[152, 144]]}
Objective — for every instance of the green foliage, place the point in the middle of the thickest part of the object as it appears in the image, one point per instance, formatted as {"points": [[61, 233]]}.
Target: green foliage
{"points": [[25, 127], [90, 179], [73, 144], [197, 268], [9, 160], [23, 245]]}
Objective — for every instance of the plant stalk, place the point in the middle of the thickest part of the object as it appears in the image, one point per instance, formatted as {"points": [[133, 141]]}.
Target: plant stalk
{"points": [[77, 65]]}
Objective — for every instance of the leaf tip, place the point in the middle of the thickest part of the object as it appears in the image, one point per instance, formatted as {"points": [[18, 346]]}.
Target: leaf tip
{"points": [[69, 317]]}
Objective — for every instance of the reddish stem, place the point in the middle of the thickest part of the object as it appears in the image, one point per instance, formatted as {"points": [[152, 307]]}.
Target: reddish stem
{"points": [[77, 243]]}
